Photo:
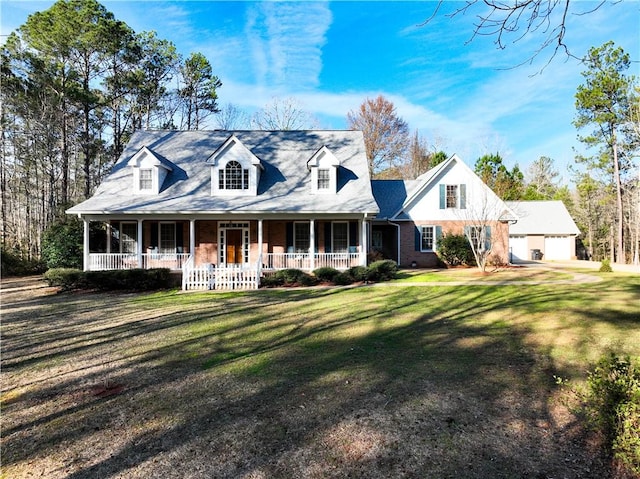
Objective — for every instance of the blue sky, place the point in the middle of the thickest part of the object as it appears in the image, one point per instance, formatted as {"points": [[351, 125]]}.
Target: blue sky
{"points": [[464, 97]]}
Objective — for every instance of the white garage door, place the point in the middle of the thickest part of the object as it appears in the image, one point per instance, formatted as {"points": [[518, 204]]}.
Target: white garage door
{"points": [[557, 247], [518, 247]]}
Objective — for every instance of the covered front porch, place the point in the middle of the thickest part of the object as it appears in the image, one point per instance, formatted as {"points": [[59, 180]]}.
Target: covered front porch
{"points": [[261, 245]]}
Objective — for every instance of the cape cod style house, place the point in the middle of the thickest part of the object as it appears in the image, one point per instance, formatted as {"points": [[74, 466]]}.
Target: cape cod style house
{"points": [[225, 207], [221, 204]]}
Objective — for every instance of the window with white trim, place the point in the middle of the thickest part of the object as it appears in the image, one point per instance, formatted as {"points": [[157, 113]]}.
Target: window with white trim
{"points": [[128, 237], [146, 179], [452, 196], [234, 177], [301, 237], [324, 179], [427, 238], [167, 235]]}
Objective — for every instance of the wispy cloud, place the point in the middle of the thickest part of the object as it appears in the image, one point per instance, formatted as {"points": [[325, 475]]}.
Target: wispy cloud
{"points": [[286, 42]]}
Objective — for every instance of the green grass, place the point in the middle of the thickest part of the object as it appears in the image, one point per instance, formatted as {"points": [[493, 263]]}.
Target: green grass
{"points": [[368, 382]]}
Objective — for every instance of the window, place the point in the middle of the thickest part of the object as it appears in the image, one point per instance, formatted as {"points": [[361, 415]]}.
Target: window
{"points": [[301, 237], [128, 235], [480, 237], [167, 238], [234, 177], [324, 180], [340, 240], [452, 196], [146, 179], [427, 238]]}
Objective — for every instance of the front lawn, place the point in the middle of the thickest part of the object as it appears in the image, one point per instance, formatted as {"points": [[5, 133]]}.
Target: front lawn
{"points": [[397, 381]]}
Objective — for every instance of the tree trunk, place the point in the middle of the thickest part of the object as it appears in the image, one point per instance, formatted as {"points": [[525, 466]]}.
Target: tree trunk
{"points": [[620, 253]]}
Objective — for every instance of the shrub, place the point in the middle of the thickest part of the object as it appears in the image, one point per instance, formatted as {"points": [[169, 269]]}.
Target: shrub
{"points": [[382, 270], [359, 273], [610, 404], [64, 278], [289, 277], [342, 279], [129, 280], [455, 250], [325, 273], [13, 263], [605, 266], [62, 244], [271, 280]]}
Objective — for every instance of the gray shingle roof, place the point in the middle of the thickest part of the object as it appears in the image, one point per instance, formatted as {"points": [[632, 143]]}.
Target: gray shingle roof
{"points": [[542, 218], [284, 186]]}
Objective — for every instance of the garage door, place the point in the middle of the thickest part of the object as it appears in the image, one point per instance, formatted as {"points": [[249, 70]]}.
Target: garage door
{"points": [[557, 247], [518, 248]]}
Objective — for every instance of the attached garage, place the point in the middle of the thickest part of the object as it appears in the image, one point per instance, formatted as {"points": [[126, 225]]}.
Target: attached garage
{"points": [[518, 248], [544, 226], [558, 247]]}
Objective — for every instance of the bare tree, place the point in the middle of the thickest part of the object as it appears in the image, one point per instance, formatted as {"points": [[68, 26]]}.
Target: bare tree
{"points": [[230, 117], [284, 114], [386, 135], [509, 22]]}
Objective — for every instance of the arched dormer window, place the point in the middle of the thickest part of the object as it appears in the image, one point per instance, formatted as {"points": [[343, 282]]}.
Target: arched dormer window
{"points": [[235, 170], [233, 177]]}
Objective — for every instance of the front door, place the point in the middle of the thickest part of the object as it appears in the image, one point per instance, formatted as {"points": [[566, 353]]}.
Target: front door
{"points": [[234, 247]]}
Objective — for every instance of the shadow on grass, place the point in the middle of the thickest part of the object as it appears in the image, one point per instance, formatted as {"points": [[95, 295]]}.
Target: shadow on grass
{"points": [[410, 382]]}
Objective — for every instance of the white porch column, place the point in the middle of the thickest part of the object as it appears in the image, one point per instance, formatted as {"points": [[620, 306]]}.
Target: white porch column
{"points": [[364, 244], [139, 244], [260, 239], [192, 239], [85, 245], [109, 233], [312, 244]]}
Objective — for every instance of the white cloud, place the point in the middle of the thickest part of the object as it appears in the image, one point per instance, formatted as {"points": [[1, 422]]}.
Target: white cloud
{"points": [[285, 41]]}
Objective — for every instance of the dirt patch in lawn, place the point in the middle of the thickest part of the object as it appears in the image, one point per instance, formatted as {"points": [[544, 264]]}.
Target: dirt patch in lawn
{"points": [[277, 384]]}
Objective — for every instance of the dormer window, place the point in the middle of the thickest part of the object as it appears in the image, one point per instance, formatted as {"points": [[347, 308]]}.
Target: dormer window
{"points": [[149, 171], [324, 181], [323, 166], [233, 177], [235, 170], [146, 179]]}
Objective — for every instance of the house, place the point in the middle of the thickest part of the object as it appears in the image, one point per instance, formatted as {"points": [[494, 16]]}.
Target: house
{"points": [[205, 202], [449, 198], [545, 230], [225, 207]]}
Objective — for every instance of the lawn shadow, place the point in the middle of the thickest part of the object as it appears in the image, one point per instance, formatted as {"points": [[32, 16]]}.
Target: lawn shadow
{"points": [[398, 382]]}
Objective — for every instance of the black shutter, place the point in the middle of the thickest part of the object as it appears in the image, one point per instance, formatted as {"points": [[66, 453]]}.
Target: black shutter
{"points": [[418, 238], [154, 235], [353, 233], [179, 237], [328, 243], [289, 230]]}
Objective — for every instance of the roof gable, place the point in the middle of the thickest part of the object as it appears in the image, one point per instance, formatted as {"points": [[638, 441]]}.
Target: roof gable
{"points": [[542, 218], [452, 171]]}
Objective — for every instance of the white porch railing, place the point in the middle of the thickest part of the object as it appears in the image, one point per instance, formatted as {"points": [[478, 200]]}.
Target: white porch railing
{"points": [[339, 261], [229, 277], [106, 261]]}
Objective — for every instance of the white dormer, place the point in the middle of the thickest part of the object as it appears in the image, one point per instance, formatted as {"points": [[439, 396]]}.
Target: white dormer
{"points": [[234, 170], [324, 171], [149, 172]]}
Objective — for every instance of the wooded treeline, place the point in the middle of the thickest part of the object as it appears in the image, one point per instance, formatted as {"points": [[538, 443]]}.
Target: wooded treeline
{"points": [[77, 82]]}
